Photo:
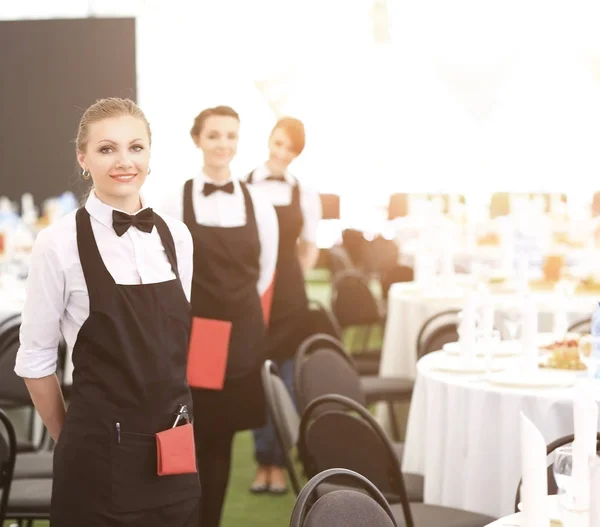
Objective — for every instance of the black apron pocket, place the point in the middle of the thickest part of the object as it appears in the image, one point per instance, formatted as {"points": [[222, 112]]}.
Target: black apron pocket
{"points": [[136, 485]]}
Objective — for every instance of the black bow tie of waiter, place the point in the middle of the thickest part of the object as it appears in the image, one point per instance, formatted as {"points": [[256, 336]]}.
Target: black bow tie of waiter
{"points": [[209, 188], [143, 220]]}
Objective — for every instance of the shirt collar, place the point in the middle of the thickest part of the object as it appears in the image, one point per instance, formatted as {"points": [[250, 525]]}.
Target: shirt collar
{"points": [[262, 172], [102, 212]]}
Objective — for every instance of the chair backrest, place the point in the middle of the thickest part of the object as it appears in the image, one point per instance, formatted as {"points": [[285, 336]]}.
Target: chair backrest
{"points": [[448, 316], [13, 391], [352, 302], [550, 448], [347, 508], [350, 438], [440, 336], [284, 415], [339, 260], [581, 326], [394, 275], [323, 367], [8, 452], [321, 320]]}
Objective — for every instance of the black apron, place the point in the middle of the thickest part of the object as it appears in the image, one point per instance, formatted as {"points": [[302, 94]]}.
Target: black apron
{"points": [[289, 311], [129, 377], [224, 287]]}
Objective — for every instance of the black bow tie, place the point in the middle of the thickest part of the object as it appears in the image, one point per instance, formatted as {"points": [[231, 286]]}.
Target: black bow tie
{"points": [[276, 178], [209, 188], [143, 220]]}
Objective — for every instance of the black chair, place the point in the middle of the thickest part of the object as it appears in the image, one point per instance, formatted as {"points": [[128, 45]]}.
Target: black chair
{"points": [[335, 431], [356, 309], [26, 499], [343, 508], [8, 453], [13, 391], [437, 330], [339, 260], [285, 417], [550, 448], [394, 275], [321, 320], [323, 367], [581, 326]]}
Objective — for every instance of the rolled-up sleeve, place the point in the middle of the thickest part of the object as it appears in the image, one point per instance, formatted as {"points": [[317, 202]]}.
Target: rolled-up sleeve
{"points": [[44, 307]]}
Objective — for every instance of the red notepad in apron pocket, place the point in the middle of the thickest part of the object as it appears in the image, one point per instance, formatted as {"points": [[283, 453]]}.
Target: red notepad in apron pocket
{"points": [[175, 450], [207, 357], [266, 300]]}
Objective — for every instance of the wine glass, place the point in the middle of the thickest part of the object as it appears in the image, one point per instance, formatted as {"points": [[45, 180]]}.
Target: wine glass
{"points": [[512, 321], [589, 353], [563, 468]]}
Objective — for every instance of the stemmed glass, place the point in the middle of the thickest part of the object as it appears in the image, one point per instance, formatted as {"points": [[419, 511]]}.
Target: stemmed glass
{"points": [[512, 321]]}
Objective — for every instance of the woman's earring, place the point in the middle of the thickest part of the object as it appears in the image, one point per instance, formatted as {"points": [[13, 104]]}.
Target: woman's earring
{"points": [[85, 174], [149, 170]]}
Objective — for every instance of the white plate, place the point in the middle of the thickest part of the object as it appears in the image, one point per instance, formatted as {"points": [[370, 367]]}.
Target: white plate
{"points": [[506, 348], [457, 365], [541, 379], [553, 508]]}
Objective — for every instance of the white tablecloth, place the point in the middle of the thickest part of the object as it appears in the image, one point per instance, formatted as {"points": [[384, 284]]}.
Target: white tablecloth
{"points": [[409, 306], [463, 436]]}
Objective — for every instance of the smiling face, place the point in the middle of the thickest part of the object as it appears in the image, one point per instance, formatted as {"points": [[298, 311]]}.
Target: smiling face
{"points": [[117, 155], [218, 140], [281, 151]]}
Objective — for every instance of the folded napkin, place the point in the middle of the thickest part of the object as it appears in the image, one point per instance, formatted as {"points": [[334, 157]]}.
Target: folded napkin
{"points": [[529, 335], [595, 491], [585, 419], [467, 329], [534, 488], [447, 267], [487, 314]]}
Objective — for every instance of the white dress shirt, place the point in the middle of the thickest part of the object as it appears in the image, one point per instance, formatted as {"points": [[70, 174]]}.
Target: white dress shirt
{"points": [[57, 299], [221, 209], [279, 193]]}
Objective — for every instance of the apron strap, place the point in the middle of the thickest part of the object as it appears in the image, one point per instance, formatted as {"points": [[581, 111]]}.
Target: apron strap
{"points": [[97, 277], [250, 217], [188, 205], [168, 243]]}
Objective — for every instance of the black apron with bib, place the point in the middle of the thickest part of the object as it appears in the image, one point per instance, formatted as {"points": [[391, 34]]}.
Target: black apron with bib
{"points": [[129, 378], [289, 311], [224, 287]]}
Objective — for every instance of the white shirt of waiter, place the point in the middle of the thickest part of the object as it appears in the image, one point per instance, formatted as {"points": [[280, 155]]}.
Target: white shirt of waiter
{"points": [[221, 209], [279, 194], [57, 301]]}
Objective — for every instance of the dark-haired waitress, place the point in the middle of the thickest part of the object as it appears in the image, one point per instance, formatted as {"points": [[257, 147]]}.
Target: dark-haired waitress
{"points": [[235, 237]]}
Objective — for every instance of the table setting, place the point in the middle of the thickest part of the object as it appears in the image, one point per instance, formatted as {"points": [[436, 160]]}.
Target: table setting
{"points": [[468, 399]]}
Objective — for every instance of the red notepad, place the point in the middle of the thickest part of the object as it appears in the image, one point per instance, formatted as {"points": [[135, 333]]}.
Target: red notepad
{"points": [[207, 357], [266, 301], [175, 451]]}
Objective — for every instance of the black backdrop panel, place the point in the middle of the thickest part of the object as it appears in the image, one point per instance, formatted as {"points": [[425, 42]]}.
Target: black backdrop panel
{"points": [[51, 71]]}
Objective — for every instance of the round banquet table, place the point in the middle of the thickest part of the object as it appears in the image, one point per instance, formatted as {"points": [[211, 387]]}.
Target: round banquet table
{"points": [[410, 305], [463, 434]]}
